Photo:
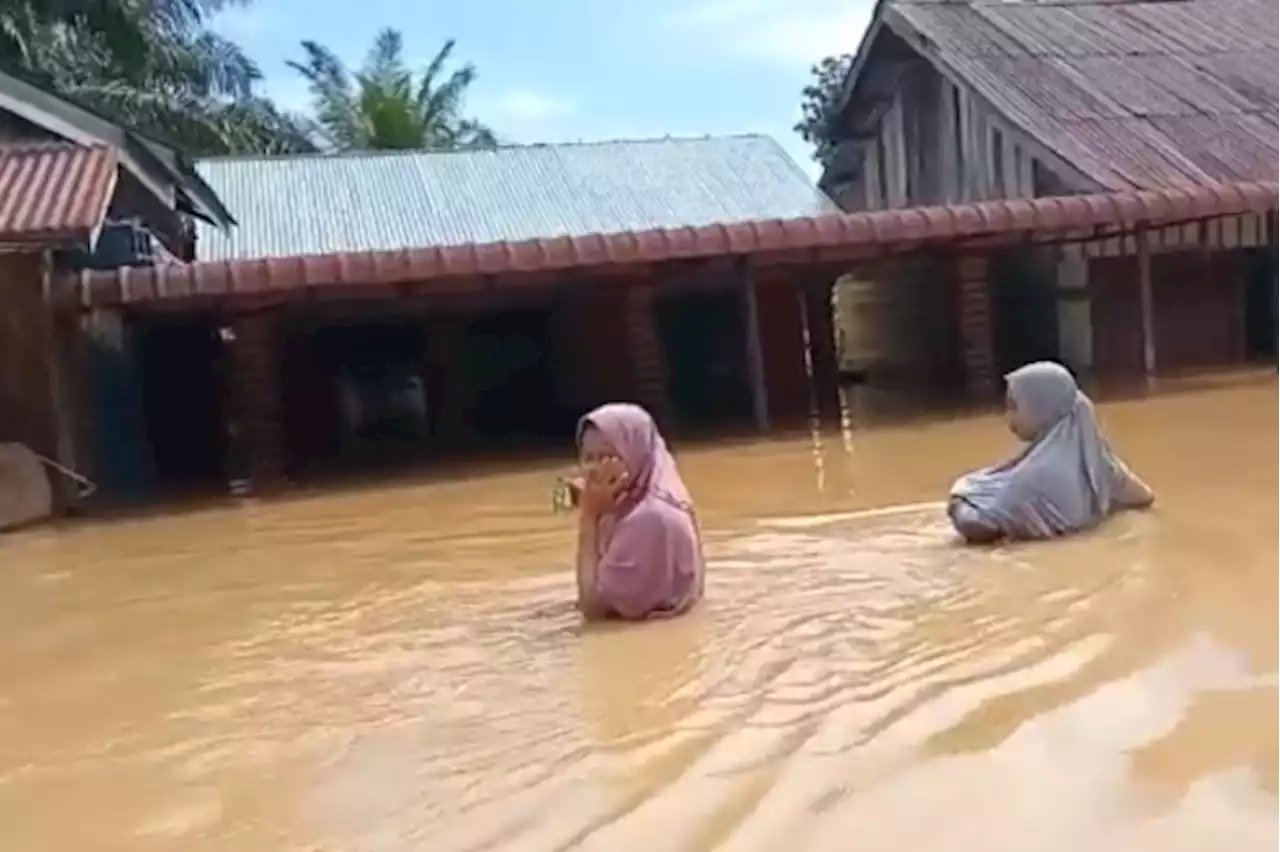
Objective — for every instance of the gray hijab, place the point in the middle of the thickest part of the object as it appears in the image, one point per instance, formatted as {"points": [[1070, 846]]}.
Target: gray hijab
{"points": [[1064, 480]]}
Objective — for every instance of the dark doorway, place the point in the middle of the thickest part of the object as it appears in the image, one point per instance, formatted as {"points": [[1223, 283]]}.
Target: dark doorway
{"points": [[361, 383], [1024, 307], [113, 396], [1260, 302], [703, 338], [183, 378], [507, 371]]}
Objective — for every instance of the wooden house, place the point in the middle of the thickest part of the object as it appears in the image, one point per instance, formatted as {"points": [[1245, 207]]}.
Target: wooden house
{"points": [[67, 174], [399, 307], [952, 102]]}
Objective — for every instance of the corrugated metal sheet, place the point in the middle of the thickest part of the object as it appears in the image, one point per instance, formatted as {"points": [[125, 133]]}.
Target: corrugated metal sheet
{"points": [[1126, 91], [793, 240], [54, 193], [377, 202]]}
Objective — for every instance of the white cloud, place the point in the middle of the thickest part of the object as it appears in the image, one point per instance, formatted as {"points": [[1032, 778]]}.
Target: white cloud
{"points": [[525, 105], [239, 23], [790, 32]]}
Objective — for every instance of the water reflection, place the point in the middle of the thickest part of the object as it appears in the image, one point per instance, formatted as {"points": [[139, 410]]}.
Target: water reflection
{"points": [[400, 668]]}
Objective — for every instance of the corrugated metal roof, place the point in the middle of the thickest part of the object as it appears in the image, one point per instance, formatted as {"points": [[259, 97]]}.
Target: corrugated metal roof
{"points": [[301, 205], [795, 240], [53, 192], [1134, 94]]}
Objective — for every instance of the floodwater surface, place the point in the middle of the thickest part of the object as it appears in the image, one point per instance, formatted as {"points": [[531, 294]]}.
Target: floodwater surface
{"points": [[400, 669]]}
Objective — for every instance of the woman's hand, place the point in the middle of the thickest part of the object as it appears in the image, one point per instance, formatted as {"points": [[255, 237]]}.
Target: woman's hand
{"points": [[602, 487], [573, 486]]}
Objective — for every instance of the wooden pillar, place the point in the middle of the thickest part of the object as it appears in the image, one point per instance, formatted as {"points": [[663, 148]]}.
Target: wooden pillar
{"points": [[449, 388], [977, 345], [784, 363], [58, 346], [824, 361], [1271, 239], [1075, 314], [257, 428], [1146, 303], [648, 373], [113, 429], [755, 350]]}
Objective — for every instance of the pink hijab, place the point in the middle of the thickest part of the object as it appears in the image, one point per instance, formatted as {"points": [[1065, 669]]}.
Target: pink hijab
{"points": [[649, 548]]}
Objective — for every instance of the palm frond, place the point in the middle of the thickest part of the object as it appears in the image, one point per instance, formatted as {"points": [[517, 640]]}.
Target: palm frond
{"points": [[383, 106]]}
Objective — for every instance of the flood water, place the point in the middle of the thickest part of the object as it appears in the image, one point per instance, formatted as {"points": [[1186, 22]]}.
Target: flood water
{"points": [[400, 669]]}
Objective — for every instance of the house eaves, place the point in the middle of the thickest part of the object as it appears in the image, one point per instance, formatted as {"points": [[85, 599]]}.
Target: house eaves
{"points": [[158, 168]]}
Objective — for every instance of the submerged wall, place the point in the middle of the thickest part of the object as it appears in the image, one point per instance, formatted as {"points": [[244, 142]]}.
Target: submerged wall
{"points": [[27, 413]]}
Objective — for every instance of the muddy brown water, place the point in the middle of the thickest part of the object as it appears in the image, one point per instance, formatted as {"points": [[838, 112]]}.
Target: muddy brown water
{"points": [[398, 668]]}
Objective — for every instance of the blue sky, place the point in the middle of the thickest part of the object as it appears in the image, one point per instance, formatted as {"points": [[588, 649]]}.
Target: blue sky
{"points": [[569, 70]]}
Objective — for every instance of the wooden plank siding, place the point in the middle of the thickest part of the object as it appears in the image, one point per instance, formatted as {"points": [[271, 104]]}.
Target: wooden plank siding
{"points": [[938, 142], [26, 401], [1199, 315]]}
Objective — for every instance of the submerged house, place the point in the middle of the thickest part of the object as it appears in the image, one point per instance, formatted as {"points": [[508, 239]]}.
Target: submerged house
{"points": [[953, 102], [76, 191], [400, 306], [393, 306]]}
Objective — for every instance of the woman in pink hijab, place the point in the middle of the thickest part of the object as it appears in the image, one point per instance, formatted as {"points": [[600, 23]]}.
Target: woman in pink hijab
{"points": [[639, 553]]}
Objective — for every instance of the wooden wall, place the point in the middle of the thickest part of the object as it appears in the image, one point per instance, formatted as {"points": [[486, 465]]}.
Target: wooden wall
{"points": [[901, 321], [26, 401], [259, 448], [606, 346], [1199, 308], [916, 138], [934, 142]]}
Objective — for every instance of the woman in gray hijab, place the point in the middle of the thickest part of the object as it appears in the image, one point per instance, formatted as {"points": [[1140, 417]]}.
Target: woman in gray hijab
{"points": [[1066, 480]]}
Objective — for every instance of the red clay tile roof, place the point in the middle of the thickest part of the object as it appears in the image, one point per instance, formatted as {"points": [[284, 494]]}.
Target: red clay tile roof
{"points": [[1135, 94], [54, 193], [837, 237]]}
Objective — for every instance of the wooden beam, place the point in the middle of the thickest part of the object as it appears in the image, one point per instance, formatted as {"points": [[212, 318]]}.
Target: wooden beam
{"points": [[1272, 224], [755, 350], [60, 406], [1146, 303]]}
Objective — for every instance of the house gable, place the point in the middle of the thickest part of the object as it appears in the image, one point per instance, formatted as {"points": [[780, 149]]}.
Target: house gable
{"points": [[1121, 95], [914, 131], [158, 169]]}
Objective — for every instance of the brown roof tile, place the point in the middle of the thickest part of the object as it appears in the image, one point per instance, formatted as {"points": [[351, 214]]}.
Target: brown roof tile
{"points": [[794, 240], [53, 193], [1128, 92]]}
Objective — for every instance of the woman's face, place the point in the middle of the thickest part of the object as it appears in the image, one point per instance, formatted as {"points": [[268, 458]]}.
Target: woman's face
{"points": [[1018, 424], [594, 447]]}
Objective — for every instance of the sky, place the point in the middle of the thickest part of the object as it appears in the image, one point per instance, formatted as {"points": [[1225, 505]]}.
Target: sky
{"points": [[584, 70]]}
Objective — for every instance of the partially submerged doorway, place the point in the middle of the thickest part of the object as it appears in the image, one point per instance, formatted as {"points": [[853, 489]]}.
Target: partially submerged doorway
{"points": [[704, 344], [183, 376], [1260, 291], [1024, 307]]}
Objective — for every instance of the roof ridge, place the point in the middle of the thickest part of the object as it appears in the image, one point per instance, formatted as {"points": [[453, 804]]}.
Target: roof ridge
{"points": [[22, 146], [422, 152]]}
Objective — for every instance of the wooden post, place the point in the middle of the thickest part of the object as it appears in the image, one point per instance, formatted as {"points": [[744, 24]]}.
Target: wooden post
{"points": [[821, 362], [755, 351], [61, 409], [647, 358], [976, 332], [258, 429], [1274, 268], [1146, 304], [449, 384]]}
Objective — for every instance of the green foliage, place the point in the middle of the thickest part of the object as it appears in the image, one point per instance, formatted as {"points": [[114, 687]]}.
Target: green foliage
{"points": [[152, 65], [385, 106], [818, 104]]}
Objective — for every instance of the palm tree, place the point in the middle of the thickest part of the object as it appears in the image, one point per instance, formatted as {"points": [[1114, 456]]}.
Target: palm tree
{"points": [[152, 65], [382, 106]]}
